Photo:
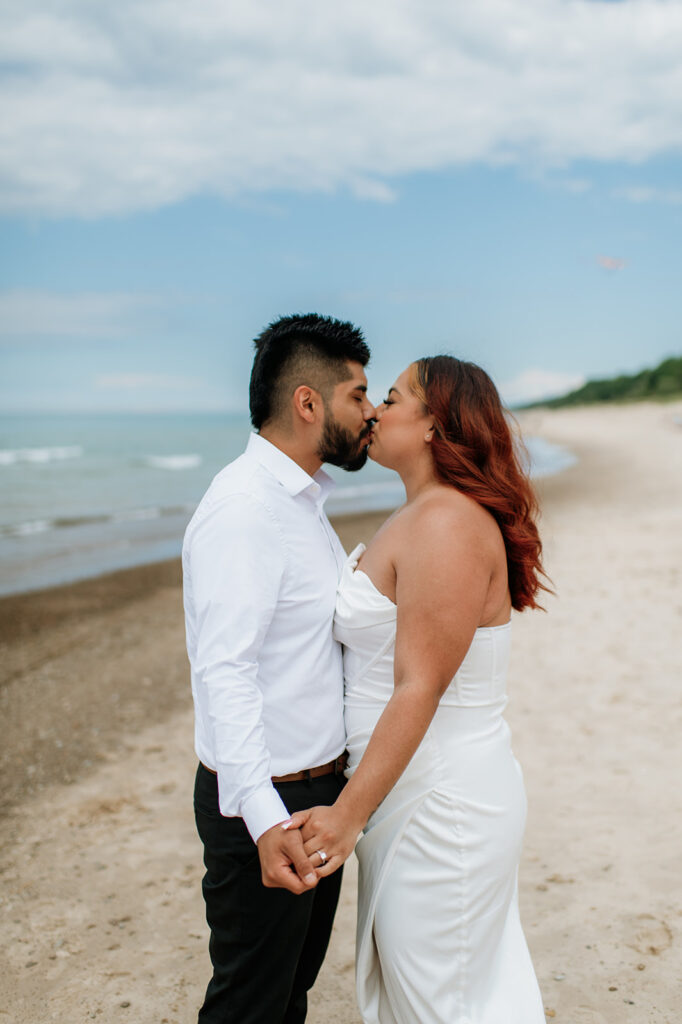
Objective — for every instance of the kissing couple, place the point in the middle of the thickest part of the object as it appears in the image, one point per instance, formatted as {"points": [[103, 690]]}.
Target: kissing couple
{"points": [[339, 696]]}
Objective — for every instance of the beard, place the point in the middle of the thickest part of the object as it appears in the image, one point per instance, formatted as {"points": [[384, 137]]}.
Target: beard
{"points": [[339, 447]]}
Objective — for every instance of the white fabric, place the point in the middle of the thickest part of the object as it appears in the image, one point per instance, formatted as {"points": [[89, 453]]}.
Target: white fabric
{"points": [[261, 565], [439, 939]]}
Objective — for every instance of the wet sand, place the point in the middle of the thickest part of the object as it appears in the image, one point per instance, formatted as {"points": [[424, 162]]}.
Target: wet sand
{"points": [[100, 904]]}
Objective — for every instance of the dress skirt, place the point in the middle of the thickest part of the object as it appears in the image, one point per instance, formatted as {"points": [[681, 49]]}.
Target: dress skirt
{"points": [[439, 939]]}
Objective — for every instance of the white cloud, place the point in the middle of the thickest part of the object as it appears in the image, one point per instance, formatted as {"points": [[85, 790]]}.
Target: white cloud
{"points": [[96, 315], [128, 106], [534, 384], [366, 188]]}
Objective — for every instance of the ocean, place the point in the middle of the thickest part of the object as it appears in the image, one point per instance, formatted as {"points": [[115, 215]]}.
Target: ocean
{"points": [[87, 494]]}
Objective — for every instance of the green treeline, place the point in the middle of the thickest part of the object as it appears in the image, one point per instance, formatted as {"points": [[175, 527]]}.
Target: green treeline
{"points": [[665, 381]]}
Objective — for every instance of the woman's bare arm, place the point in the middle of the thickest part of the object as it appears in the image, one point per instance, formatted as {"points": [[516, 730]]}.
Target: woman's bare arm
{"points": [[443, 571]]}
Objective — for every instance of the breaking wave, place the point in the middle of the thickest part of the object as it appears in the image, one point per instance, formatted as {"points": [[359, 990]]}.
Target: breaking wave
{"points": [[173, 462], [57, 453]]}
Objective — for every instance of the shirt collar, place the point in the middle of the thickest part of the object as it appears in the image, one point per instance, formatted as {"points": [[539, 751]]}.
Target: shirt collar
{"points": [[291, 476]]}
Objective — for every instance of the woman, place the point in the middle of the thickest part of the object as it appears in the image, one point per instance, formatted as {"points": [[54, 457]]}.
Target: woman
{"points": [[423, 614]]}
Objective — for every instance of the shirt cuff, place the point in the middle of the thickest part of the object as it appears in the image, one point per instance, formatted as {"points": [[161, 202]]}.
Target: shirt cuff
{"points": [[262, 810]]}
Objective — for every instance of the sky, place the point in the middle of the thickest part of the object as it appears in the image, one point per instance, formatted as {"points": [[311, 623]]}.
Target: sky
{"points": [[499, 180]]}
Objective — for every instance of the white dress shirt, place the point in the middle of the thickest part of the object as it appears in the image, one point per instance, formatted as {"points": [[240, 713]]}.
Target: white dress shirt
{"points": [[261, 565]]}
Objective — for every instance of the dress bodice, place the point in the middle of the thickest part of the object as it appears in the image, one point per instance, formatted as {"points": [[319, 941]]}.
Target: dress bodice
{"points": [[365, 623]]}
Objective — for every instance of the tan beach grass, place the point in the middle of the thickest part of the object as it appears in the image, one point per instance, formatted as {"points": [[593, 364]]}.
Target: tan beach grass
{"points": [[100, 905]]}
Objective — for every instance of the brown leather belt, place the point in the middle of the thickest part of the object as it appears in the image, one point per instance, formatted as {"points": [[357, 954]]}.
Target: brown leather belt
{"points": [[335, 767]]}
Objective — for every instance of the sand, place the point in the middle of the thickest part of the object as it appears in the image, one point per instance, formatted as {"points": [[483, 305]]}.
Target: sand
{"points": [[100, 903]]}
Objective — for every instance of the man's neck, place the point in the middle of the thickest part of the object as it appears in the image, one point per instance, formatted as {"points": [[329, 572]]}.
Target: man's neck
{"points": [[294, 448]]}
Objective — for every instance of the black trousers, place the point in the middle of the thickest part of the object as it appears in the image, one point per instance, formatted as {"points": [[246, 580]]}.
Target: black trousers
{"points": [[266, 945]]}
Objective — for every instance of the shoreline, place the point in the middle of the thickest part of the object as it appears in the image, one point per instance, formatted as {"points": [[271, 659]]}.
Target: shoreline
{"points": [[151, 565], [161, 570], [47, 636], [50, 550], [100, 852]]}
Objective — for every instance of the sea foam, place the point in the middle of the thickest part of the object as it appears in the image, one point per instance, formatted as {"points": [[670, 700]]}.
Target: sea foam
{"points": [[175, 462], [10, 456]]}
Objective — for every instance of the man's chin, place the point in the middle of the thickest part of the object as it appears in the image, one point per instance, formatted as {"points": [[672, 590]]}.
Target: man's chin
{"points": [[353, 465]]}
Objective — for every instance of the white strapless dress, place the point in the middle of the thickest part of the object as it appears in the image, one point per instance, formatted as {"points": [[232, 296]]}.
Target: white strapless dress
{"points": [[439, 938]]}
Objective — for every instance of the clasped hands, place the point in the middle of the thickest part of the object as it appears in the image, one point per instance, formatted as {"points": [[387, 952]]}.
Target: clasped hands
{"points": [[290, 853]]}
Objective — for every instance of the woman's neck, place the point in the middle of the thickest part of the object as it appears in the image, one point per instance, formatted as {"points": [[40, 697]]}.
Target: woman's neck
{"points": [[418, 479]]}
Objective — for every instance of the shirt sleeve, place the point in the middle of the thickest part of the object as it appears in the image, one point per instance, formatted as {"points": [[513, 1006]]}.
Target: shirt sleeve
{"points": [[236, 560]]}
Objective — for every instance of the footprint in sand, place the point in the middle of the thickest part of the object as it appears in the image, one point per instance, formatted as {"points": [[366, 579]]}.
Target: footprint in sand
{"points": [[648, 934]]}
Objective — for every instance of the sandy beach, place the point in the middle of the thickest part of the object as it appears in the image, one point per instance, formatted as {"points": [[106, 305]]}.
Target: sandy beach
{"points": [[100, 867]]}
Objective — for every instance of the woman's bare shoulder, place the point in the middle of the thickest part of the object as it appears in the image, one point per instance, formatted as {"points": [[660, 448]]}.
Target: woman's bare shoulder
{"points": [[443, 516], [449, 507], [446, 519]]}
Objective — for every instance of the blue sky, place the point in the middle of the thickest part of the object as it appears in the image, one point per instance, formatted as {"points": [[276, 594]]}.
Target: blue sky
{"points": [[504, 183]]}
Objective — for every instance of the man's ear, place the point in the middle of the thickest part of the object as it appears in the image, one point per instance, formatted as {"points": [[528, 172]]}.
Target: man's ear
{"points": [[307, 403]]}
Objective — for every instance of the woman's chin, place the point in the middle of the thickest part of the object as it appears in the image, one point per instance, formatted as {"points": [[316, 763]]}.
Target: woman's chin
{"points": [[375, 456]]}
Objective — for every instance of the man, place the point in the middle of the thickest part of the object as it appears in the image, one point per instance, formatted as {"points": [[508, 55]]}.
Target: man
{"points": [[261, 565]]}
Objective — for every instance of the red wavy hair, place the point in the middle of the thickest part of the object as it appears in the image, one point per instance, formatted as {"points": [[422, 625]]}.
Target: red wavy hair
{"points": [[474, 451]]}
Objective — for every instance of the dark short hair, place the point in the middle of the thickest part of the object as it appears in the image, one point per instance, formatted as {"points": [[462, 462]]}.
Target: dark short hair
{"points": [[294, 350]]}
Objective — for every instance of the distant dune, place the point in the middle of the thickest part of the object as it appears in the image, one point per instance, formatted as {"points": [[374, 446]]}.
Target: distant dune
{"points": [[662, 382]]}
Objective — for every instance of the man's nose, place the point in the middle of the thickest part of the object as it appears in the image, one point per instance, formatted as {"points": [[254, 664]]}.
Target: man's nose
{"points": [[370, 411]]}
